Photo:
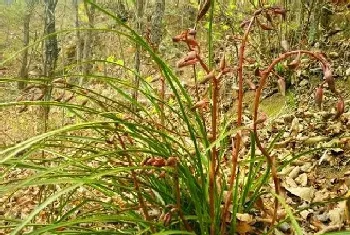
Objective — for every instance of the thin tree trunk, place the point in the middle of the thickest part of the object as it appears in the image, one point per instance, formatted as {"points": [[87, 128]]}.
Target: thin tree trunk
{"points": [[24, 67], [139, 14], [87, 51], [78, 40], [51, 51], [156, 21]]}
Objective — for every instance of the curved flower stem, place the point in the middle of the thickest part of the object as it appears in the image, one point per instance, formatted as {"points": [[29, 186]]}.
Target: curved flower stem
{"points": [[263, 79], [136, 184], [240, 71]]}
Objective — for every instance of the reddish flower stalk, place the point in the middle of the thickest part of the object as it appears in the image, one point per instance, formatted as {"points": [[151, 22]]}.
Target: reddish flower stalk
{"points": [[263, 79], [240, 72], [212, 162], [136, 185], [235, 151]]}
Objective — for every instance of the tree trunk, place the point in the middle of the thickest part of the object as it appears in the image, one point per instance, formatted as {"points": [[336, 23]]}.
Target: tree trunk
{"points": [[26, 24], [51, 51], [87, 51], [139, 14], [51, 46], [156, 21], [78, 51]]}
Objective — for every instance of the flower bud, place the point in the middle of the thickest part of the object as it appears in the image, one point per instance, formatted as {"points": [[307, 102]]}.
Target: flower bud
{"points": [[319, 96], [330, 80], [340, 108]]}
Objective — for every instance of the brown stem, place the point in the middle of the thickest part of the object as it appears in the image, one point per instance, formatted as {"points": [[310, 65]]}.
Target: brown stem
{"points": [[235, 151], [136, 185], [195, 83], [264, 76], [162, 97], [240, 72], [204, 66], [212, 174]]}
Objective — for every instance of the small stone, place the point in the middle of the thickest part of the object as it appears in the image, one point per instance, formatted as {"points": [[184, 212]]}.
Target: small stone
{"points": [[295, 125], [333, 55], [337, 216], [306, 167], [295, 172], [304, 214], [304, 82], [322, 217], [305, 61], [287, 118], [244, 217], [347, 72], [298, 73], [286, 134], [290, 182], [284, 227], [321, 196], [302, 180], [285, 171], [305, 193]]}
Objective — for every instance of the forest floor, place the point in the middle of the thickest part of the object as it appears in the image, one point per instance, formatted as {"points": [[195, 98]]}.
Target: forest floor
{"points": [[312, 150]]}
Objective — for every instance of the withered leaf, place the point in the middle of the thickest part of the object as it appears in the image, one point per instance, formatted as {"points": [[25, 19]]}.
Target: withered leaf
{"points": [[200, 104]]}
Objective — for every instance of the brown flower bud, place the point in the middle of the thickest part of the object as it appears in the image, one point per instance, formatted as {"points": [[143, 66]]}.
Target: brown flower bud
{"points": [[340, 108], [192, 31], [330, 80], [167, 219], [319, 96], [265, 26], [280, 11], [159, 162], [183, 63], [207, 78], [171, 161], [200, 104]]}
